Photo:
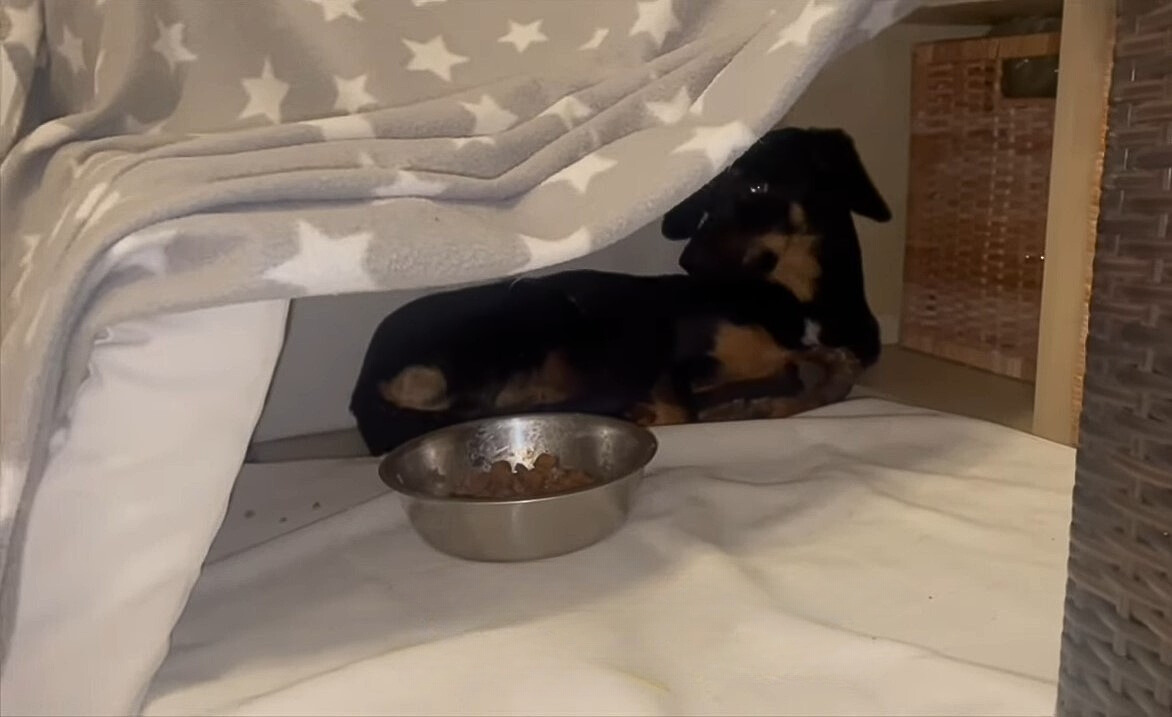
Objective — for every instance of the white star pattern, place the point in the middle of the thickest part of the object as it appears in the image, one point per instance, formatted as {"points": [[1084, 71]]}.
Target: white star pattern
{"points": [[547, 252], [673, 110], [24, 26], [265, 94], [71, 49], [63, 217], [719, 143], [656, 18], [325, 264], [433, 56], [34, 322], [12, 479], [569, 109], [410, 184], [9, 84], [522, 36], [581, 173], [596, 39], [170, 45], [697, 108], [798, 32], [104, 206], [460, 142], [98, 62], [344, 127], [30, 242], [145, 250], [435, 81], [334, 9], [86, 208], [490, 117], [352, 94]]}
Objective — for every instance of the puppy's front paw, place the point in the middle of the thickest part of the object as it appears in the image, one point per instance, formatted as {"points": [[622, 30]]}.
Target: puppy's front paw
{"points": [[729, 411], [642, 414], [657, 414]]}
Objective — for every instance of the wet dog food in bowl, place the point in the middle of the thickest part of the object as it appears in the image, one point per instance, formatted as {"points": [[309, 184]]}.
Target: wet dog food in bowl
{"points": [[520, 487], [501, 480]]}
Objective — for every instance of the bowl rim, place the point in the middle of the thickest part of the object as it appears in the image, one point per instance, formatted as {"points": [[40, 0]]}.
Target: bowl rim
{"points": [[651, 448]]}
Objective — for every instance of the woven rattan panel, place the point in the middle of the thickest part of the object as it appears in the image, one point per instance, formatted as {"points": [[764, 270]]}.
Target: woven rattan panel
{"points": [[977, 196], [1117, 640]]}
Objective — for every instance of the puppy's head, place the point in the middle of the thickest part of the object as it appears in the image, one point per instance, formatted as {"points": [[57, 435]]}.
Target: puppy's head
{"points": [[779, 212]]}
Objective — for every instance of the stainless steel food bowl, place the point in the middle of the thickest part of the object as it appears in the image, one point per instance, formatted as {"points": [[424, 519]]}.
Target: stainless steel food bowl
{"points": [[423, 472]]}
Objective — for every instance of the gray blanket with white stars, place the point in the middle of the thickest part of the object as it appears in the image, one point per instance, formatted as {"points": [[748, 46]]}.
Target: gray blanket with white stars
{"points": [[167, 155]]}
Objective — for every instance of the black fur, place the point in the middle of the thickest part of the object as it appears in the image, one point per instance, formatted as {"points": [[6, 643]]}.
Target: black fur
{"points": [[629, 341]]}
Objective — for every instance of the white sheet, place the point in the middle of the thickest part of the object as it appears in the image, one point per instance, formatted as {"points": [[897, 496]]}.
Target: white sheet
{"points": [[134, 490], [865, 559]]}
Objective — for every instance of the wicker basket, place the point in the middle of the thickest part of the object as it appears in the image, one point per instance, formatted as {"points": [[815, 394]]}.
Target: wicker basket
{"points": [[1117, 637], [978, 190]]}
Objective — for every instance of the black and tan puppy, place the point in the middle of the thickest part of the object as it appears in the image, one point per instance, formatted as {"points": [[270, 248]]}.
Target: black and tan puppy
{"points": [[770, 319]]}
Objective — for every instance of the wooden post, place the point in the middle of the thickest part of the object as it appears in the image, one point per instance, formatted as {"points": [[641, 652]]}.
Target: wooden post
{"points": [[1080, 121]]}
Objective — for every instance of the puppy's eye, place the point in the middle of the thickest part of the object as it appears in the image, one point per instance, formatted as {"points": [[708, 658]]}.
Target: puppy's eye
{"points": [[759, 188]]}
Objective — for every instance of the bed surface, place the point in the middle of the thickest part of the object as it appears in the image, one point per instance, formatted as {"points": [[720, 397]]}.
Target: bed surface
{"points": [[864, 558]]}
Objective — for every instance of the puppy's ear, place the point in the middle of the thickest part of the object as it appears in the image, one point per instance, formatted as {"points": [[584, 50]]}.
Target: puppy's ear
{"points": [[839, 161], [684, 219]]}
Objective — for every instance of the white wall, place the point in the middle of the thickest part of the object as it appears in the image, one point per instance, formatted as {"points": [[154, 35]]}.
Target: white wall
{"points": [[867, 92]]}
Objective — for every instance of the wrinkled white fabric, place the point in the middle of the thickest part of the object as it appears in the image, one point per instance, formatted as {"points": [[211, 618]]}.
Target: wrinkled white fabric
{"points": [[132, 496], [863, 559]]}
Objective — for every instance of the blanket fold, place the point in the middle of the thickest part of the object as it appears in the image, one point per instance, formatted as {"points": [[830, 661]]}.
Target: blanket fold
{"points": [[168, 155]]}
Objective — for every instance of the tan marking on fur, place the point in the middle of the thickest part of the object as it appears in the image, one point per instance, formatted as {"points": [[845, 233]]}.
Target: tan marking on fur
{"points": [[663, 409], [797, 266], [419, 388], [552, 382], [747, 353]]}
